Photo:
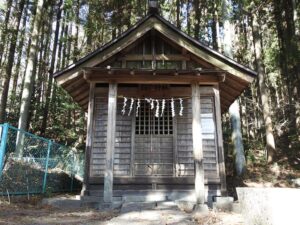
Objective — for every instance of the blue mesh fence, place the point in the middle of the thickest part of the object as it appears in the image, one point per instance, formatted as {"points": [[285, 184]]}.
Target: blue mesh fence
{"points": [[30, 164]]}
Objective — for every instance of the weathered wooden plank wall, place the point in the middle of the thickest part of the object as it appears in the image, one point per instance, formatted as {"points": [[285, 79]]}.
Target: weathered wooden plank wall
{"points": [[98, 154], [209, 141], [122, 157], [123, 147], [185, 159]]}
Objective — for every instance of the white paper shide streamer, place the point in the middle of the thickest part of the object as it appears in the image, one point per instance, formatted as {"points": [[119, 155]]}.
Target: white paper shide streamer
{"points": [[138, 107], [181, 107], [131, 106], [157, 109], [124, 106], [152, 103], [163, 106], [158, 106], [173, 107]]}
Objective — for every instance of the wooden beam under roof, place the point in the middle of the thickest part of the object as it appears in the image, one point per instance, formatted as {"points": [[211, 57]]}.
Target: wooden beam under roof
{"points": [[149, 76], [84, 101], [152, 79], [225, 100], [79, 90], [149, 57]]}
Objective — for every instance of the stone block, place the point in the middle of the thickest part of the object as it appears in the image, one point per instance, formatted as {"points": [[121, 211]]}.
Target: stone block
{"points": [[223, 204], [166, 205], [186, 206], [61, 202], [137, 206], [152, 197], [269, 206]]}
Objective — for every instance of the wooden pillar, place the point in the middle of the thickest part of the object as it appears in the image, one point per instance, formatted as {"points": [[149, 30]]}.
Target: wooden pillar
{"points": [[110, 144], [197, 145], [221, 158], [89, 138]]}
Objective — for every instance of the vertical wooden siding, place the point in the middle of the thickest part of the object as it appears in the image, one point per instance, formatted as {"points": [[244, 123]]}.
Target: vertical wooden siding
{"points": [[98, 154], [123, 140], [122, 157], [185, 160], [184, 157]]}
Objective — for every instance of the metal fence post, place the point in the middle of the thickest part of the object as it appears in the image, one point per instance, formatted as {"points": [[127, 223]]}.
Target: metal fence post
{"points": [[46, 166], [3, 145]]}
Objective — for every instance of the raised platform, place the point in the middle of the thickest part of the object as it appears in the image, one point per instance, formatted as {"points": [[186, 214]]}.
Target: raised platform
{"points": [[95, 197]]}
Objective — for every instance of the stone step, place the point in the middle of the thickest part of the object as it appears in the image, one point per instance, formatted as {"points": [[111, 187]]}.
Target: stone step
{"points": [[137, 206], [166, 205], [223, 204], [97, 199], [61, 202], [151, 197]]}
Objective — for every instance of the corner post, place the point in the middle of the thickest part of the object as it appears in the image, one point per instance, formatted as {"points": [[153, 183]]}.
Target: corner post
{"points": [[221, 157], [89, 137], [197, 145], [110, 145]]}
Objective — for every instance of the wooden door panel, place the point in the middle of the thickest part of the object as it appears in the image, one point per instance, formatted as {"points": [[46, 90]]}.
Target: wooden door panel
{"points": [[153, 152]]}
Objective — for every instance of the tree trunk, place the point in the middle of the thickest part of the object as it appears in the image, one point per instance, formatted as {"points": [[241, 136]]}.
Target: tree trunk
{"points": [[234, 109], [228, 29], [29, 76], [178, 22], [288, 57], [197, 18], [188, 13], [51, 70], [5, 29], [270, 143], [66, 30], [19, 58], [60, 45], [77, 22], [214, 28], [236, 138], [10, 61]]}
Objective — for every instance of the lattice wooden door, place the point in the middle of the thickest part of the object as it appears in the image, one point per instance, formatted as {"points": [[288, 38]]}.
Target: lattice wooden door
{"points": [[153, 153]]}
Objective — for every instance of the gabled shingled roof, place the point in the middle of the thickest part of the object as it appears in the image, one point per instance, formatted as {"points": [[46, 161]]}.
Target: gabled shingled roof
{"points": [[239, 76], [174, 28]]}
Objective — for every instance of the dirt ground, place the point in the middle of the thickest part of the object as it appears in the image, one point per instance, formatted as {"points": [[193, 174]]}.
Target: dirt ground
{"points": [[33, 213], [22, 213]]}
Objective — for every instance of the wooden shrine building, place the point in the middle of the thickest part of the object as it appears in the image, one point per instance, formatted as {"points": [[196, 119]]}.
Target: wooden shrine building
{"points": [[154, 98]]}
